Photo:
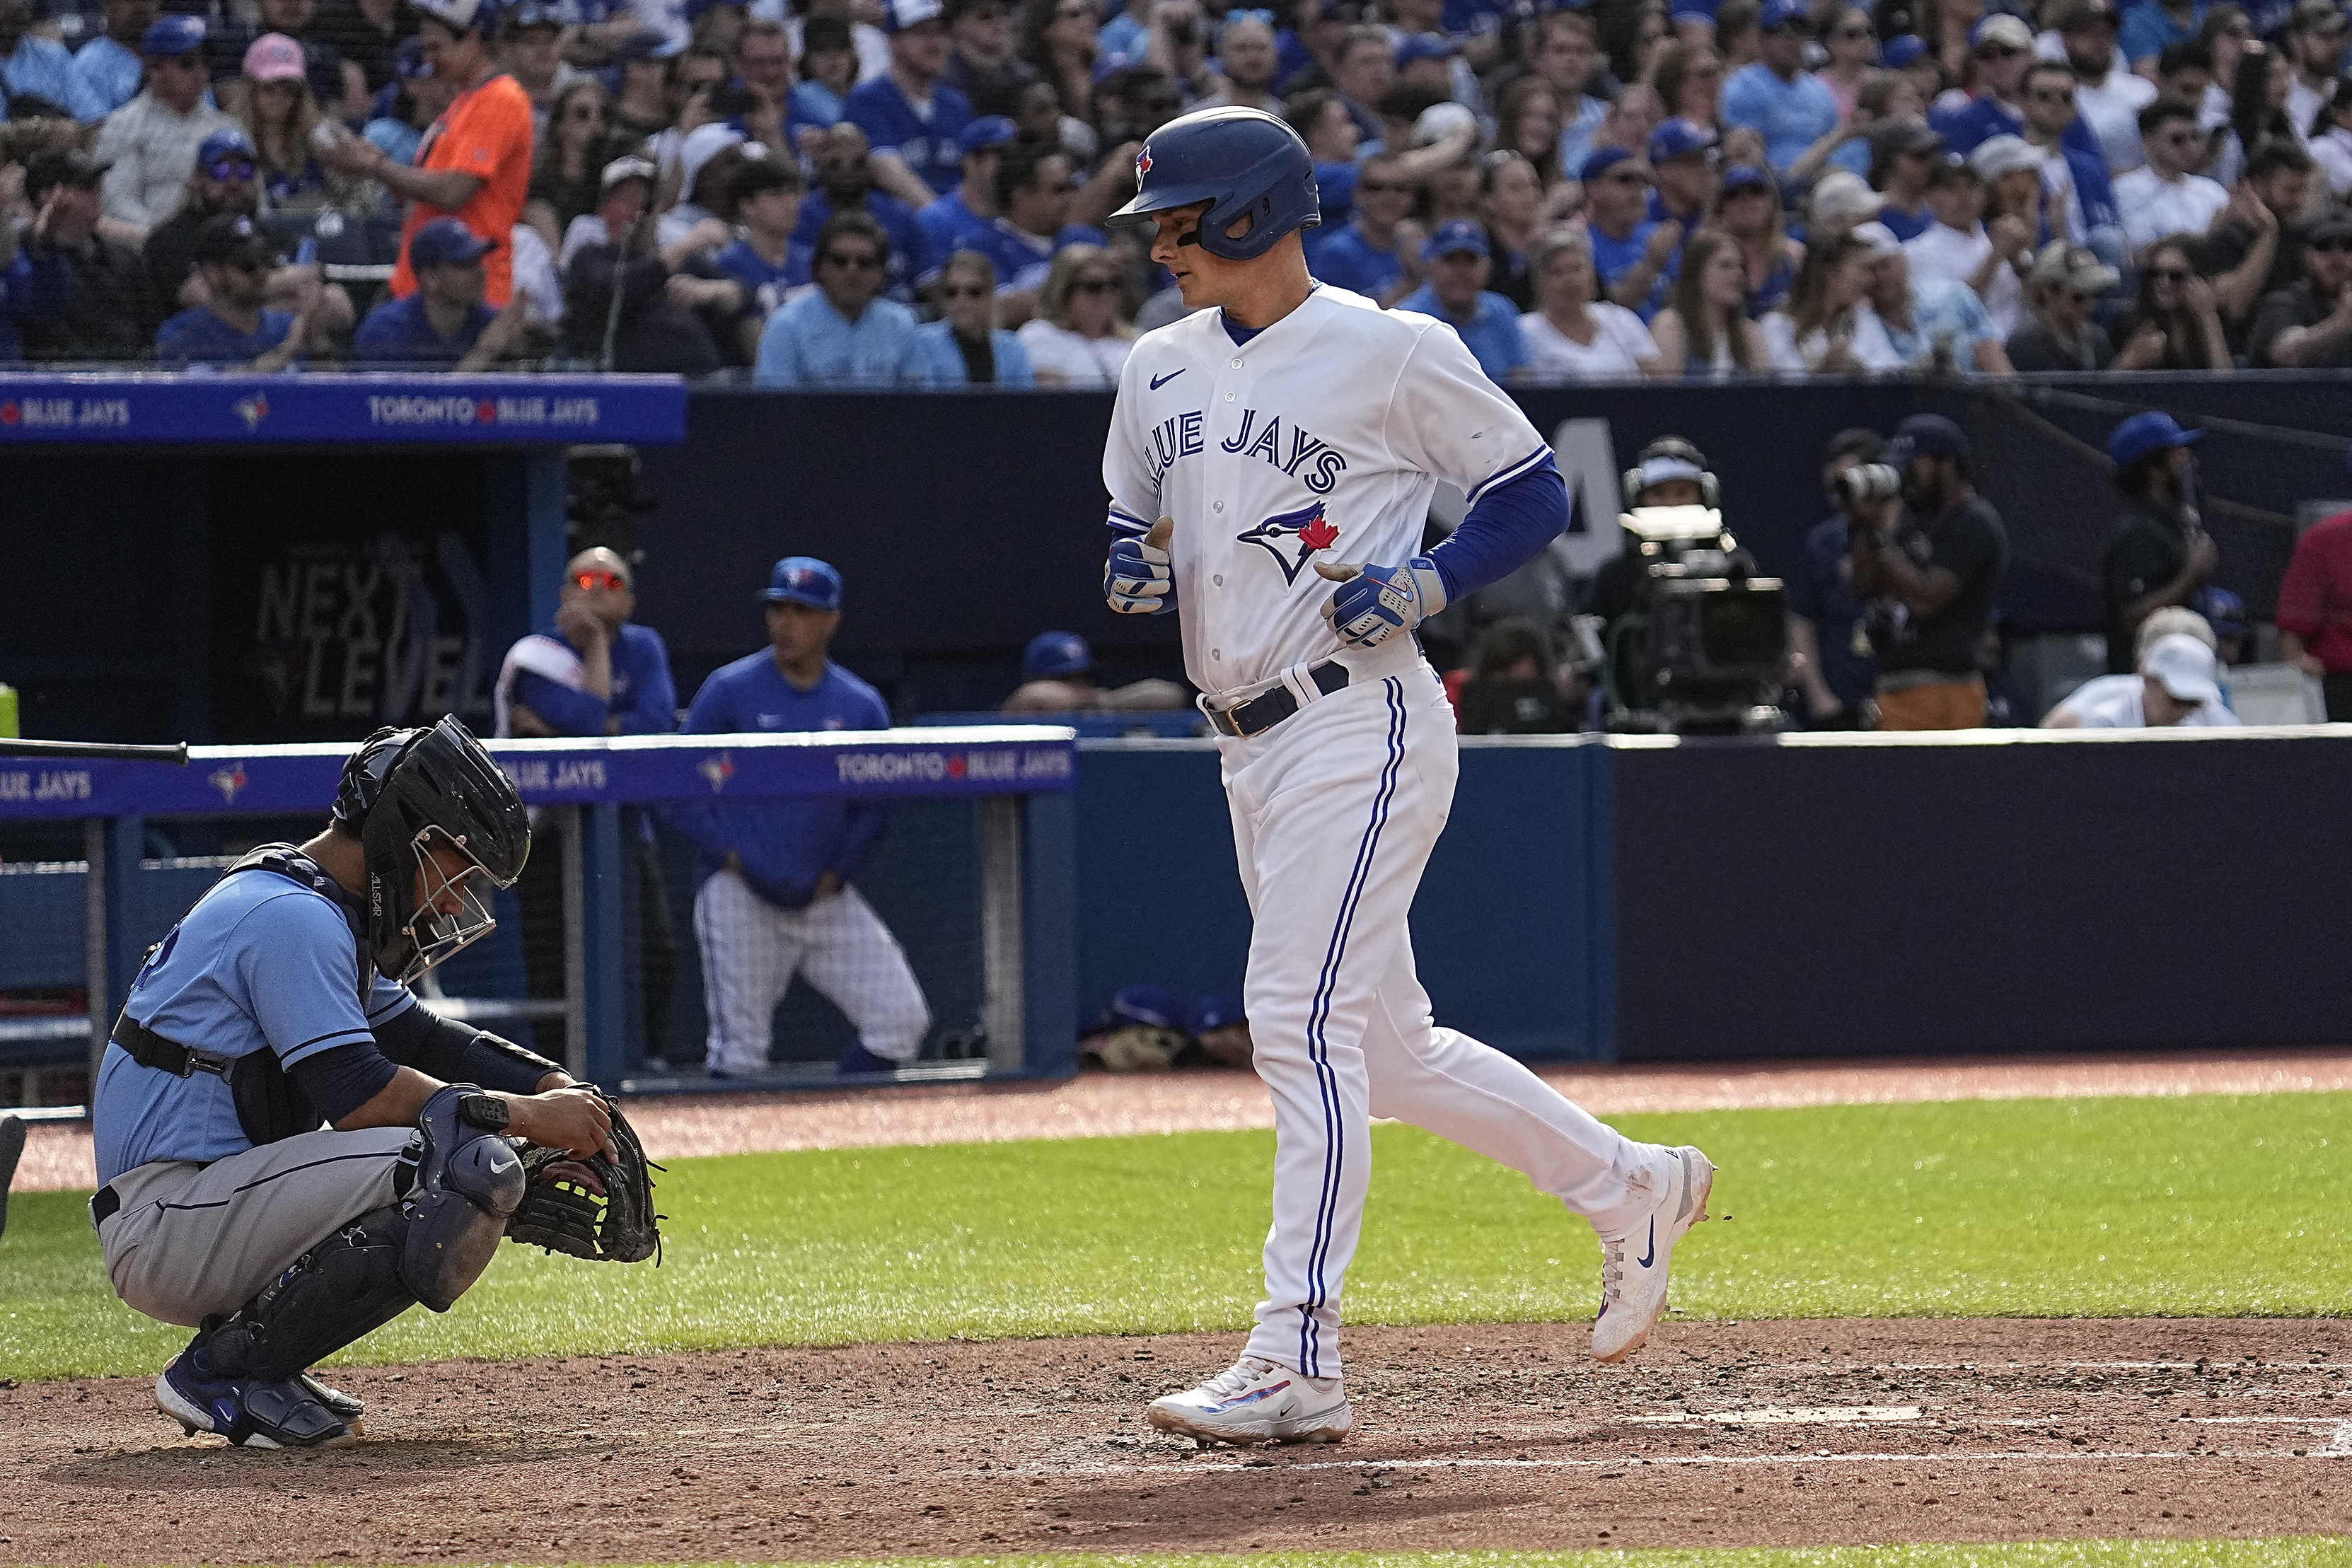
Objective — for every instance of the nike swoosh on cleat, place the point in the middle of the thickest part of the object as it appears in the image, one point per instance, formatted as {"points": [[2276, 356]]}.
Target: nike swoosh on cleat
{"points": [[1650, 1257], [1159, 382]]}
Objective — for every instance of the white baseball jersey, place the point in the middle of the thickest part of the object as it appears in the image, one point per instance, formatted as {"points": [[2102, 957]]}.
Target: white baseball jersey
{"points": [[1326, 433]]}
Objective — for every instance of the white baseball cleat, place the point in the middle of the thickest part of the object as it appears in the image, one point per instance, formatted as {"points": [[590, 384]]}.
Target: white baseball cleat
{"points": [[1633, 1265], [1257, 1402]]}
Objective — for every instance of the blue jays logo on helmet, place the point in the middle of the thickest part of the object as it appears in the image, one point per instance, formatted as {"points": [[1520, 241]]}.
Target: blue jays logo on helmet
{"points": [[1251, 170], [1293, 537]]}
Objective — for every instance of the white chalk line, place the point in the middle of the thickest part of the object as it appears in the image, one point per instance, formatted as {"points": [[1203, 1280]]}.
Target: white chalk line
{"points": [[1669, 1461], [1780, 1415]]}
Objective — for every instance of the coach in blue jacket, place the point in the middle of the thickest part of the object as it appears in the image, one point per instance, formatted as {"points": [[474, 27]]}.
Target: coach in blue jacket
{"points": [[776, 897], [596, 672]]}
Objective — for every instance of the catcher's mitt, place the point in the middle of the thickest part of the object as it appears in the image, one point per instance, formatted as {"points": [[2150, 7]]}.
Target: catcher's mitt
{"points": [[596, 1209]]}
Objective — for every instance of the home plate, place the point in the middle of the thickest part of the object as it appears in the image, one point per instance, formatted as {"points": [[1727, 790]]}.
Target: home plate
{"points": [[1784, 1416]]}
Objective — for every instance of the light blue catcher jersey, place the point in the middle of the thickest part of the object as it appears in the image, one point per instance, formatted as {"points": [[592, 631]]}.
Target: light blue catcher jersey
{"points": [[261, 962]]}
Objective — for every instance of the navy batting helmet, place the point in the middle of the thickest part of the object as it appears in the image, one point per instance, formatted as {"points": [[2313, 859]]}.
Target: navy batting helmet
{"points": [[1246, 163], [1053, 654]]}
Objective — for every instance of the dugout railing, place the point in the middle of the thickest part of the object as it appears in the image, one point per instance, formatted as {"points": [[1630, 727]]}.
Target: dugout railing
{"points": [[1007, 908]]}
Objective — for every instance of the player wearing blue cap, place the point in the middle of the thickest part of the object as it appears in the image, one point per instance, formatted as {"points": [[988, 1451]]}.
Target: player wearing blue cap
{"points": [[1296, 426], [776, 897], [2161, 553], [150, 143]]}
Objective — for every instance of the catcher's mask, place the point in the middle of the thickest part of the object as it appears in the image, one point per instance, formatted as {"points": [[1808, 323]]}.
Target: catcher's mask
{"points": [[431, 811]]}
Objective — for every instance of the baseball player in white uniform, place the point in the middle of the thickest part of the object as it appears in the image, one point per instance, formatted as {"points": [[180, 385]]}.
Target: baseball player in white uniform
{"points": [[1297, 427]]}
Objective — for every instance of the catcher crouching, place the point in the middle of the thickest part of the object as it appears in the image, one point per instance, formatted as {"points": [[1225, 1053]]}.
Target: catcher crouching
{"points": [[280, 1002]]}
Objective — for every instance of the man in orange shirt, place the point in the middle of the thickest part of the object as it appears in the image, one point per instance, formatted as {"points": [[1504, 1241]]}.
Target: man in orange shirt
{"points": [[475, 163]]}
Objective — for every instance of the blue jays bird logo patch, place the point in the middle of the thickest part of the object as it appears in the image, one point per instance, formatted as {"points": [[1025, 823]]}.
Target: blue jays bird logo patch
{"points": [[1293, 537]]}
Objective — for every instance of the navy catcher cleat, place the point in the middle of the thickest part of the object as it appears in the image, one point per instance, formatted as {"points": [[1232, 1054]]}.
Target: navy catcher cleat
{"points": [[248, 1414]]}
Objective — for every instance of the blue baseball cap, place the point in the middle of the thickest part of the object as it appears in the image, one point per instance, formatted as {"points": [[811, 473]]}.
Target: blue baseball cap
{"points": [[1901, 50], [1600, 160], [988, 131], [171, 37], [1679, 138], [1424, 47], [2222, 609], [1053, 654], [229, 142], [2147, 433], [1745, 176], [1778, 14], [1214, 1011], [534, 16], [1146, 1004], [1925, 436], [1456, 238], [447, 241], [804, 579]]}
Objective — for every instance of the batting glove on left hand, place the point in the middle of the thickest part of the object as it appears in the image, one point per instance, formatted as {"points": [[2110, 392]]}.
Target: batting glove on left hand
{"points": [[1376, 603], [1138, 578]]}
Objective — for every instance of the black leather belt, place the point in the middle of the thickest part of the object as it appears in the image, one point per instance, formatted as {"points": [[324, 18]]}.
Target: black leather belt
{"points": [[1268, 708], [104, 1206]]}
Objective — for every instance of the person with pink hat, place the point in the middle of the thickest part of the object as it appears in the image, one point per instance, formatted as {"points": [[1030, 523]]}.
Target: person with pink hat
{"points": [[272, 100]]}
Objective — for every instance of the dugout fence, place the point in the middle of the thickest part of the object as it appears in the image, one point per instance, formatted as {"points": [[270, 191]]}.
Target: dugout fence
{"points": [[973, 875]]}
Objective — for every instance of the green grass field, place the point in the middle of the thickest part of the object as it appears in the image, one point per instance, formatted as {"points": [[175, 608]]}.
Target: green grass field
{"points": [[2074, 1208]]}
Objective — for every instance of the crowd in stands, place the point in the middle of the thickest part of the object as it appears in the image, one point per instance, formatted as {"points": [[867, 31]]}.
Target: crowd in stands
{"points": [[913, 193]]}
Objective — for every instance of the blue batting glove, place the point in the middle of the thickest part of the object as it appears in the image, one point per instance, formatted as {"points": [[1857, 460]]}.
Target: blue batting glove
{"points": [[1375, 602], [1138, 578]]}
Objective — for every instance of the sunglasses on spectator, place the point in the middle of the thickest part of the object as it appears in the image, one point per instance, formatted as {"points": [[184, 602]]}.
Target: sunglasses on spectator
{"points": [[595, 580], [2330, 246], [856, 261], [1998, 52], [2053, 95], [1627, 178], [583, 112], [962, 291], [2171, 274], [230, 169], [1855, 32], [1093, 286]]}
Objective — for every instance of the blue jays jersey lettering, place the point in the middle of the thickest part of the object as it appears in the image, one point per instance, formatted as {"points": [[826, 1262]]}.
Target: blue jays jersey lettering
{"points": [[1328, 432]]}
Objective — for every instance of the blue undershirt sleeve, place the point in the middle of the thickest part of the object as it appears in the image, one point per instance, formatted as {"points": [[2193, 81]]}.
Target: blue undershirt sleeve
{"points": [[340, 1079], [1506, 528], [567, 710]]}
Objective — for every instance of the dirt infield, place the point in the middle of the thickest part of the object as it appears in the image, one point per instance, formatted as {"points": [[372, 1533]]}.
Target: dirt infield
{"points": [[1468, 1438], [58, 1158]]}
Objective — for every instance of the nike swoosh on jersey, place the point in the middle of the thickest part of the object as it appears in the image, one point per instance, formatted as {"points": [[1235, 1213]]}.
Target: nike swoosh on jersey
{"points": [[1159, 382]]}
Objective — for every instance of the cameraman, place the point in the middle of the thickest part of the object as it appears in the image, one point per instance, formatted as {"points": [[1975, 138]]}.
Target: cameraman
{"points": [[2161, 553], [1669, 472], [1933, 564], [1829, 654]]}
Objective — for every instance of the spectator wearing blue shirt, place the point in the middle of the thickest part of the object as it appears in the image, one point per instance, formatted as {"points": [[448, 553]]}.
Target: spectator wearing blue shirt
{"points": [[233, 331], [109, 67], [1775, 96], [842, 333], [35, 67], [766, 258], [2150, 27], [1368, 255], [828, 70], [844, 184], [597, 672], [912, 119], [1033, 183], [1824, 616], [965, 346], [2003, 49], [444, 325], [1634, 254], [1683, 170], [949, 221], [776, 894], [1456, 294]]}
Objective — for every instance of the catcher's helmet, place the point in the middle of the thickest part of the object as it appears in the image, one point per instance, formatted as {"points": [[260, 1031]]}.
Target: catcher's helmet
{"points": [[404, 789], [1246, 163]]}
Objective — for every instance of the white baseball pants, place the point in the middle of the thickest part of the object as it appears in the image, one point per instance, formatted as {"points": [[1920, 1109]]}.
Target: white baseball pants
{"points": [[1335, 812], [751, 950]]}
